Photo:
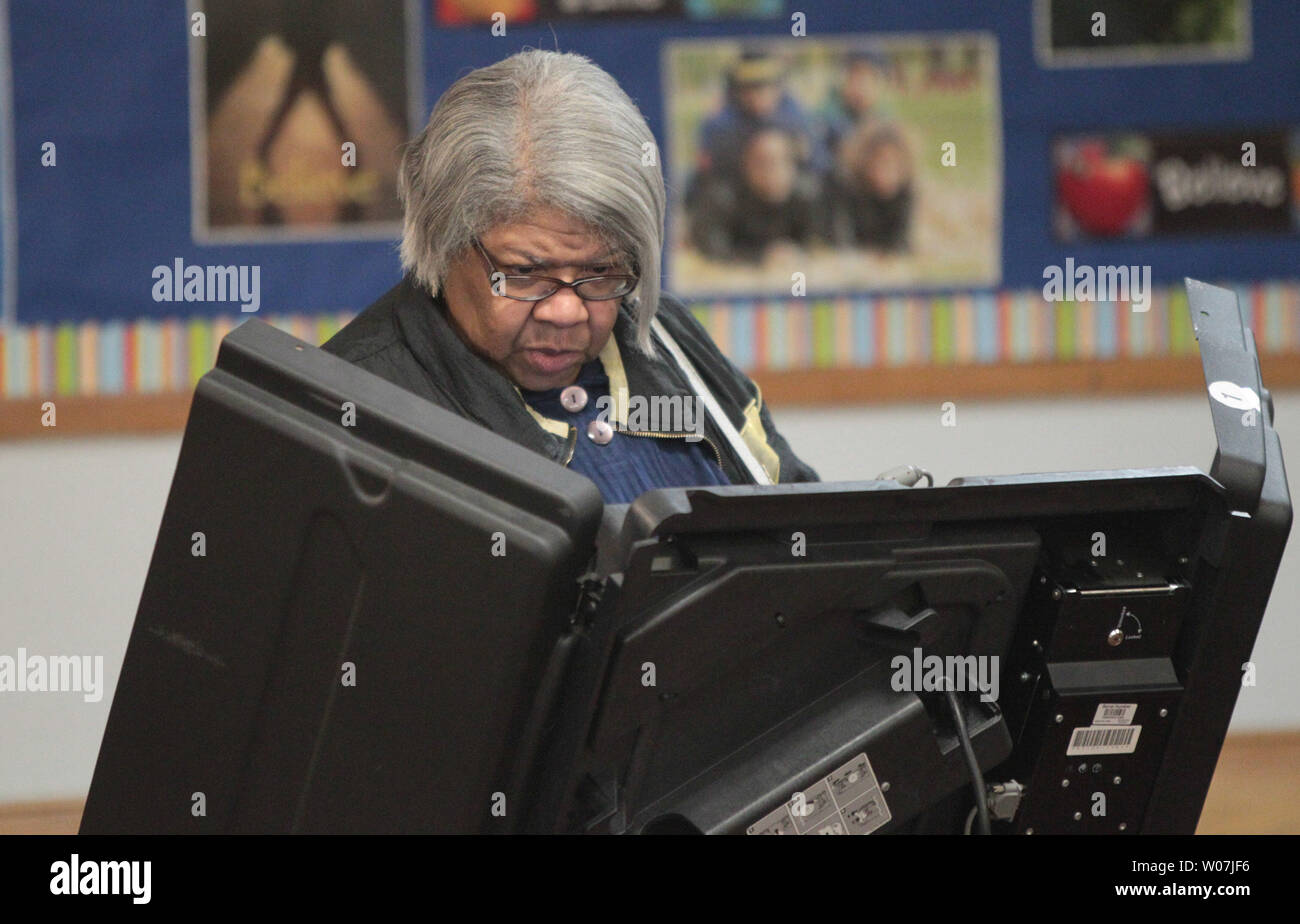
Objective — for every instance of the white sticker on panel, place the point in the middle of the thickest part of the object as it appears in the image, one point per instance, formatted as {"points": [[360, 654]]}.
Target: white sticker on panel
{"points": [[848, 800], [1115, 714], [1104, 739]]}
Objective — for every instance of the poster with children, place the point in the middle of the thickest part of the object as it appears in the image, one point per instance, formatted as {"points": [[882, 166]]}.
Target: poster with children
{"points": [[806, 165]]}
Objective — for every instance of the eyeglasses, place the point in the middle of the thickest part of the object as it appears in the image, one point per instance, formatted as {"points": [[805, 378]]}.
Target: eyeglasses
{"points": [[526, 288]]}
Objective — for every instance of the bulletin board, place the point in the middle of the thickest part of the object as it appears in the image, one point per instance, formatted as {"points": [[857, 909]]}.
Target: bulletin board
{"points": [[144, 143]]}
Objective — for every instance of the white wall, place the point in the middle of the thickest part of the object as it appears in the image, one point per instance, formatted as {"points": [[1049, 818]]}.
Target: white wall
{"points": [[78, 519]]}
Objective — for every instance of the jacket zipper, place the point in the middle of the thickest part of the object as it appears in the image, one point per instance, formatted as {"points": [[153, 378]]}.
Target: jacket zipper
{"points": [[573, 442], [679, 436]]}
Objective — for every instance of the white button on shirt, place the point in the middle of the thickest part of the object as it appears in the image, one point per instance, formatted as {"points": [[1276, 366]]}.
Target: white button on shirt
{"points": [[600, 432], [574, 398]]}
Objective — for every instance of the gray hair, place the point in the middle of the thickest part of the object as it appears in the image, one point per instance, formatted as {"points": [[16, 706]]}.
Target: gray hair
{"points": [[538, 129]]}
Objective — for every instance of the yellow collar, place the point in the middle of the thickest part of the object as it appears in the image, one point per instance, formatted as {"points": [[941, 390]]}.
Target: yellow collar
{"points": [[612, 359]]}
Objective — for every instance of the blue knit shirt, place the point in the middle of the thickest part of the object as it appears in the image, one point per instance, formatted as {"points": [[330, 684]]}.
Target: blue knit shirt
{"points": [[627, 466]]}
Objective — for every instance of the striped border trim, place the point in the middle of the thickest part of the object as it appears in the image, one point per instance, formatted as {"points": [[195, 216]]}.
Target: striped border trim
{"points": [[158, 355]]}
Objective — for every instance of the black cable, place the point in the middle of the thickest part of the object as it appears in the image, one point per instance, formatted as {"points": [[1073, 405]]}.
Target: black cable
{"points": [[976, 778]]}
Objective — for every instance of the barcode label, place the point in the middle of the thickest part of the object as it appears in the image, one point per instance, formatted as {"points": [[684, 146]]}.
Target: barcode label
{"points": [[1104, 740], [1115, 714]]}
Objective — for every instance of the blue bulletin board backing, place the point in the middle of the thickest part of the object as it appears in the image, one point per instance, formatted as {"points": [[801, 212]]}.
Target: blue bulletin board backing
{"points": [[108, 84]]}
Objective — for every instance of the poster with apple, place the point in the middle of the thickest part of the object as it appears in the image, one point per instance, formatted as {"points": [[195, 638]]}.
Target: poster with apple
{"points": [[1102, 186], [1130, 185]]}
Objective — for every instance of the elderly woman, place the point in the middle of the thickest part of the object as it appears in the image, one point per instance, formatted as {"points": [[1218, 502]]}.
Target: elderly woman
{"points": [[534, 216]]}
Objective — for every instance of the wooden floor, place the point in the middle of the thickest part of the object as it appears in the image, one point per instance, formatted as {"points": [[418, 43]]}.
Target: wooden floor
{"points": [[1254, 791], [1256, 787]]}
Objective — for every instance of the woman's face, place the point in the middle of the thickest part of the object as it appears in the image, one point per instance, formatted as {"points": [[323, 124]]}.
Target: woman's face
{"points": [[537, 345]]}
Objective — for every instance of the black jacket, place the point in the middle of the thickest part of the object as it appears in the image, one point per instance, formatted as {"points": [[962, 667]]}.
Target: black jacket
{"points": [[405, 337]]}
